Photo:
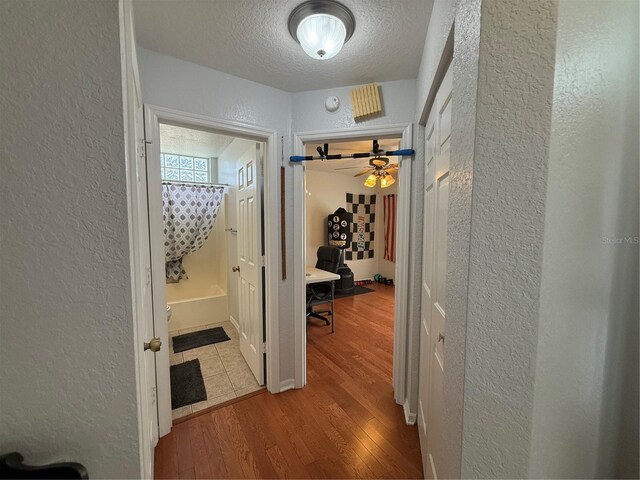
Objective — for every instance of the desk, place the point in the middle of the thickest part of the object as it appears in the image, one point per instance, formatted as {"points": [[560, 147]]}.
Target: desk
{"points": [[315, 275]]}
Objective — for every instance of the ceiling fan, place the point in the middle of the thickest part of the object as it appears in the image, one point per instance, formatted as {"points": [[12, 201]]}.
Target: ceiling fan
{"points": [[379, 169]]}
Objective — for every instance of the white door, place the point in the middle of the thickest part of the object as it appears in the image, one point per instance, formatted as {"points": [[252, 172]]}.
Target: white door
{"points": [[434, 272], [250, 260], [141, 253]]}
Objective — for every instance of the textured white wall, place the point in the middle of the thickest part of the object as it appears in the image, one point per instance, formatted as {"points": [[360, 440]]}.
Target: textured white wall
{"points": [[465, 84], [66, 350], [513, 119], [441, 19], [309, 113], [585, 418], [170, 82]]}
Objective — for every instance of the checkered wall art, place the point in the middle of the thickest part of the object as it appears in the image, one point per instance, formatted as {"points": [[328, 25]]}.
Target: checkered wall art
{"points": [[363, 210]]}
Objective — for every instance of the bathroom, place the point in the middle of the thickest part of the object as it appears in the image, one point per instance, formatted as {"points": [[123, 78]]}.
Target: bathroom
{"points": [[199, 171]]}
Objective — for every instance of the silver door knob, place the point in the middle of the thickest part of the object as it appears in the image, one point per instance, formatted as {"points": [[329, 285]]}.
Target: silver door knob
{"points": [[235, 269], [440, 337], [153, 345]]}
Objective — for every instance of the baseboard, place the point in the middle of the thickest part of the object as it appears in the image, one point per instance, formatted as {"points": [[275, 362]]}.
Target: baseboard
{"points": [[235, 323], [409, 416], [287, 384]]}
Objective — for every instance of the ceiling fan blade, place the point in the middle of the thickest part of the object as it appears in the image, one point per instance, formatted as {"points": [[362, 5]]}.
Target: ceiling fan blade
{"points": [[366, 170], [391, 167]]}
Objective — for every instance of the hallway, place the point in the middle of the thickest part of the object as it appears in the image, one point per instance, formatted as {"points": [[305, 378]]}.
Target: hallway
{"points": [[343, 424]]}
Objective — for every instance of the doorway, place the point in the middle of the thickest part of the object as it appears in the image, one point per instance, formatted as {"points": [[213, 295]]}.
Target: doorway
{"points": [[221, 308], [211, 216], [350, 208], [400, 347]]}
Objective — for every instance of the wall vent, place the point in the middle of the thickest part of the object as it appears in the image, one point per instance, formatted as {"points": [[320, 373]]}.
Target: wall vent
{"points": [[365, 101]]}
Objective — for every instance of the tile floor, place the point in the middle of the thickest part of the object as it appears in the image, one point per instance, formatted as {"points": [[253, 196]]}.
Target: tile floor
{"points": [[226, 373]]}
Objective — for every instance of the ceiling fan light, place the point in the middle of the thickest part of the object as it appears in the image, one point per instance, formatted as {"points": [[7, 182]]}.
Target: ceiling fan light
{"points": [[371, 181], [321, 36], [387, 181], [379, 161]]}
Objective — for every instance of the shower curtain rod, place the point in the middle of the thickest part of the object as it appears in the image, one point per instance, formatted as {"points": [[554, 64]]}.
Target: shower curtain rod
{"points": [[199, 184]]}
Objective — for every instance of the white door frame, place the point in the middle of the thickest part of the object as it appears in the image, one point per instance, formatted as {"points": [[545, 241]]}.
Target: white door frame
{"points": [[147, 440], [155, 115], [405, 131]]}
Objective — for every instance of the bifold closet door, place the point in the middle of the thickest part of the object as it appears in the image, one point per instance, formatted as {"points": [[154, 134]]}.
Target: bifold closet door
{"points": [[434, 272]]}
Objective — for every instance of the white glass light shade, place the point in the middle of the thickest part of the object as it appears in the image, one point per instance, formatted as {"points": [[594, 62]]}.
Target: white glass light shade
{"points": [[321, 36]]}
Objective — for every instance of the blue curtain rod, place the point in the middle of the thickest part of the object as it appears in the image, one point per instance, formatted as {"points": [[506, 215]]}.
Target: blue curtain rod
{"points": [[393, 153]]}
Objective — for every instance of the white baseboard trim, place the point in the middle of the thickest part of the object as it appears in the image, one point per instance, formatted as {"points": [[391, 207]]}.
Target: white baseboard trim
{"points": [[287, 384], [235, 323], [409, 416]]}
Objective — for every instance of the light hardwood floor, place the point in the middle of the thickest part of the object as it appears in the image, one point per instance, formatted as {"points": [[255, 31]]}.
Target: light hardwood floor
{"points": [[343, 424]]}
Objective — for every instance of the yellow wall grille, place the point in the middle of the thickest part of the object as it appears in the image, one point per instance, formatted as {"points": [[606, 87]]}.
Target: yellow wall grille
{"points": [[365, 101]]}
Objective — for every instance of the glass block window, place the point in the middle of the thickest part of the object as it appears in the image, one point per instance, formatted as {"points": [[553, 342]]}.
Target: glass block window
{"points": [[181, 168]]}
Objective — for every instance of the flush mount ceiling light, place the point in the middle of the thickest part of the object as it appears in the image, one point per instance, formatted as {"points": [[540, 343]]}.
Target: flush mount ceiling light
{"points": [[321, 27]]}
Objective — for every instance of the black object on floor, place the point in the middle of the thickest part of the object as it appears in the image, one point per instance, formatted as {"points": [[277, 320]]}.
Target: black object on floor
{"points": [[200, 338], [187, 384], [358, 290], [345, 285], [11, 466]]}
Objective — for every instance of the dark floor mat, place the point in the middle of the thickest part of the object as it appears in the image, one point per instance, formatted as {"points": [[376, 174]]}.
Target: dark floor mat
{"points": [[187, 384], [358, 290], [200, 338]]}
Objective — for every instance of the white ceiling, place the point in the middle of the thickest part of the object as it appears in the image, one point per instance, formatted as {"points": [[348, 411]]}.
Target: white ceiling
{"points": [[250, 39], [346, 148], [197, 143]]}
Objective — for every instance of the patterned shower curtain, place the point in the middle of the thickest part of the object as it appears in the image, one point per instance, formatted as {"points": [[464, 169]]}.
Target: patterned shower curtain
{"points": [[189, 212]]}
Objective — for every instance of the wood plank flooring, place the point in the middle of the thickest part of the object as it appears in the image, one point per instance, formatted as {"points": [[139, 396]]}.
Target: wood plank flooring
{"points": [[343, 424]]}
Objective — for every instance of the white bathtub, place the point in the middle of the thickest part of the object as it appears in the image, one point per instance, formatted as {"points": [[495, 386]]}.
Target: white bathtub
{"points": [[198, 311]]}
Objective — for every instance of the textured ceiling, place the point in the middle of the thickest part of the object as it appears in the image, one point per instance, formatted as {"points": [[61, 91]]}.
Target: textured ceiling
{"points": [[250, 39], [346, 148], [197, 143]]}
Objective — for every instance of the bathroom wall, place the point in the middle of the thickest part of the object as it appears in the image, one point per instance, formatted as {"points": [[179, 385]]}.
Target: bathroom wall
{"points": [[66, 341], [206, 268]]}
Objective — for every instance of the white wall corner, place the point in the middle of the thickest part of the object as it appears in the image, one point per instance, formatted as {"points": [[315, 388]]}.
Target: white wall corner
{"points": [[510, 162]]}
